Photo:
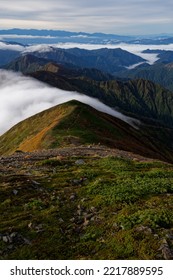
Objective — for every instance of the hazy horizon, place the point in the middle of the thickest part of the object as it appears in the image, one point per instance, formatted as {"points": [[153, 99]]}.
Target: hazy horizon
{"points": [[81, 31], [125, 17]]}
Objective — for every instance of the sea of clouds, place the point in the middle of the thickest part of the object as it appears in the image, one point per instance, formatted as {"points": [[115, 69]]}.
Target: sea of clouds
{"points": [[133, 48], [22, 97]]}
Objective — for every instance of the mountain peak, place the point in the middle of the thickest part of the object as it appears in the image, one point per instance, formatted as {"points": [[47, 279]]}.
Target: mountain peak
{"points": [[74, 123]]}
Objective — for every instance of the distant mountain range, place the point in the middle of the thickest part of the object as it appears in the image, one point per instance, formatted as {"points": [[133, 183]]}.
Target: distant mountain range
{"points": [[107, 60], [137, 97], [34, 36], [114, 63], [161, 72]]}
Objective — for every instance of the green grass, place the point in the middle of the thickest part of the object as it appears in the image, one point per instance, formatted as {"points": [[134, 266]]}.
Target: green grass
{"points": [[117, 196], [85, 125]]}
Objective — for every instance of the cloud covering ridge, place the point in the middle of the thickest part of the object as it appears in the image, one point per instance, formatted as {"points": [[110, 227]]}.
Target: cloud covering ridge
{"points": [[22, 97]]}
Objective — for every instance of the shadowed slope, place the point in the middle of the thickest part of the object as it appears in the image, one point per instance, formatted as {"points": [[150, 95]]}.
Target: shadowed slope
{"points": [[139, 98]]}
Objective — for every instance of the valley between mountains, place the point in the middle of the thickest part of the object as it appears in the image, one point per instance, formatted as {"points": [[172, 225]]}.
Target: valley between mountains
{"points": [[78, 182]]}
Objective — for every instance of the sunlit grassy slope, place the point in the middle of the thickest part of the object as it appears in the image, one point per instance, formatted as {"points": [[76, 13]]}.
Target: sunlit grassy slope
{"points": [[74, 123]]}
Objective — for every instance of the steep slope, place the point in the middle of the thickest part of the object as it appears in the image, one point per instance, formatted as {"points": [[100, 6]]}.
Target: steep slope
{"points": [[143, 98], [74, 123], [137, 97], [26, 64], [29, 63], [158, 73], [165, 57]]}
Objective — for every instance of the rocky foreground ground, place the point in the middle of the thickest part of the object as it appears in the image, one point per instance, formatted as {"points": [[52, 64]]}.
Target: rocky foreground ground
{"points": [[56, 199], [91, 150]]}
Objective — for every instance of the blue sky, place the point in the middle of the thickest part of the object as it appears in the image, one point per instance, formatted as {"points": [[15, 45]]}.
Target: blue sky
{"points": [[133, 17]]}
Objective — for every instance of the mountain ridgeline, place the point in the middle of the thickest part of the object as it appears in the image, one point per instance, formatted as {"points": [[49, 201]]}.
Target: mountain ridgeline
{"points": [[79, 183], [88, 72], [139, 97], [43, 36], [75, 123], [106, 60], [159, 73], [116, 63]]}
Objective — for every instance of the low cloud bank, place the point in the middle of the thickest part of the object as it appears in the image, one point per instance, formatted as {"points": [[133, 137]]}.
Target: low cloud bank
{"points": [[136, 49], [22, 97], [11, 47]]}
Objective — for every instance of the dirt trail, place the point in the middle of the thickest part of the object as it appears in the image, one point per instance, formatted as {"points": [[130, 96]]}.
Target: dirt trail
{"points": [[92, 150]]}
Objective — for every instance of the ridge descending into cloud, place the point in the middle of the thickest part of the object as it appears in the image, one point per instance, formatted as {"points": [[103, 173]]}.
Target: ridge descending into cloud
{"points": [[22, 97]]}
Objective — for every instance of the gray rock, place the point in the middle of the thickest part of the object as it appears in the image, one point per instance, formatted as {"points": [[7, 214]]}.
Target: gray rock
{"points": [[26, 241], [116, 227], [39, 228], [30, 225], [86, 222], [169, 236], [73, 197], [13, 235], [79, 212], [88, 216], [80, 162], [15, 192], [35, 182], [80, 207], [84, 199], [166, 251], [144, 229], [80, 181], [93, 209], [5, 239], [76, 182], [10, 247]]}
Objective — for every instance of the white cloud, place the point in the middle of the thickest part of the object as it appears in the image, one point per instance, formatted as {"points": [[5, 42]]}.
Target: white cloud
{"points": [[133, 48], [5, 46], [22, 97], [16, 36]]}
